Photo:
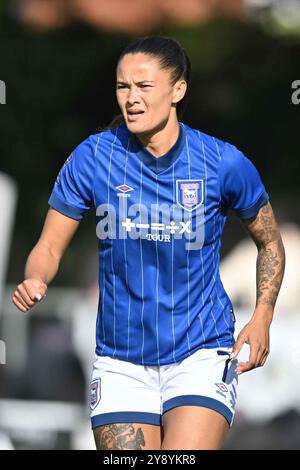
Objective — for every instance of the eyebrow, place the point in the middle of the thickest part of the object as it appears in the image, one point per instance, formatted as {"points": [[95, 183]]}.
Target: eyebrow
{"points": [[119, 82]]}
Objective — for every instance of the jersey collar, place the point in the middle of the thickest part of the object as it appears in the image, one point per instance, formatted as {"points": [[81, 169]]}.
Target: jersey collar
{"points": [[159, 164]]}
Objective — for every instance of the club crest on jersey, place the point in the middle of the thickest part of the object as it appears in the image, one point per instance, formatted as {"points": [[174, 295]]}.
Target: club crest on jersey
{"points": [[94, 393], [189, 194]]}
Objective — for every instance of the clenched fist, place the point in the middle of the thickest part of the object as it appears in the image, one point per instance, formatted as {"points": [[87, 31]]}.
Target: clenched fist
{"points": [[28, 293]]}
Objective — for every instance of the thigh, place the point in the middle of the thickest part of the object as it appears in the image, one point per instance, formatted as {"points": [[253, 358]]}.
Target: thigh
{"points": [[199, 399], [125, 405], [128, 436], [194, 428]]}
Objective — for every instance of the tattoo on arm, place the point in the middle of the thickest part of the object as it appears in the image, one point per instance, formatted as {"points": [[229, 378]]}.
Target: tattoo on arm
{"points": [[119, 437], [270, 264]]}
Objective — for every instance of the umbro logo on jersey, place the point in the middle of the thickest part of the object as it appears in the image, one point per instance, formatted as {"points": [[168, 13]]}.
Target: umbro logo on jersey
{"points": [[124, 188]]}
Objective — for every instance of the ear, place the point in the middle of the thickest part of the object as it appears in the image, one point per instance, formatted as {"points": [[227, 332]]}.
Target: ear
{"points": [[180, 88]]}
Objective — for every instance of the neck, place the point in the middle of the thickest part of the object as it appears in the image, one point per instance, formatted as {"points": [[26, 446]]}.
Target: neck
{"points": [[161, 140]]}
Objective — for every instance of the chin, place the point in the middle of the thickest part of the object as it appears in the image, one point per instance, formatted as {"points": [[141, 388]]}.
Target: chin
{"points": [[144, 129], [136, 128]]}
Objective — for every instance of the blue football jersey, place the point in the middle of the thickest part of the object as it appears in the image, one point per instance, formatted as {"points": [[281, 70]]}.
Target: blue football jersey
{"points": [[159, 224]]}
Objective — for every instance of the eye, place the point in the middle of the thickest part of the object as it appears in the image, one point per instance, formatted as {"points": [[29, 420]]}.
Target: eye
{"points": [[119, 86]]}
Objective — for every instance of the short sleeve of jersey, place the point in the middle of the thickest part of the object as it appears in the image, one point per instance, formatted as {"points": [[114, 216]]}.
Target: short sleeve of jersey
{"points": [[242, 189], [72, 194]]}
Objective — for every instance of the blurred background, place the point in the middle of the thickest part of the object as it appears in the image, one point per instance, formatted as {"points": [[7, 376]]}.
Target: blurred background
{"points": [[57, 69]]}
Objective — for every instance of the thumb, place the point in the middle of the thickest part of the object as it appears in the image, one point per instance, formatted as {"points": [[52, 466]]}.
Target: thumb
{"points": [[237, 347], [40, 295]]}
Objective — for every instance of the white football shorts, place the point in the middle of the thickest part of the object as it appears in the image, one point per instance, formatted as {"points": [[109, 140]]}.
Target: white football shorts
{"points": [[123, 392]]}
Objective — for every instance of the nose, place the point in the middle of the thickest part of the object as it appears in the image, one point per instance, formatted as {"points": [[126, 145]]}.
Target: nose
{"points": [[133, 96]]}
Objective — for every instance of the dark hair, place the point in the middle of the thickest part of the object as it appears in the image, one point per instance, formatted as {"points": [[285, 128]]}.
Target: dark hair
{"points": [[170, 54]]}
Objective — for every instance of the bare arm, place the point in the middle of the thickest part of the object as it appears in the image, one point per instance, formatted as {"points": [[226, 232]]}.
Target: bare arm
{"points": [[270, 266], [270, 263], [43, 262]]}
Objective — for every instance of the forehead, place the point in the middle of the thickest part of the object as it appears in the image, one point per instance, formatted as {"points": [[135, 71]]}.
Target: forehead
{"points": [[140, 66]]}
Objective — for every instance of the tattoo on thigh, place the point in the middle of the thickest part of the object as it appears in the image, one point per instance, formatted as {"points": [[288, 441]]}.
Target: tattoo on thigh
{"points": [[118, 437]]}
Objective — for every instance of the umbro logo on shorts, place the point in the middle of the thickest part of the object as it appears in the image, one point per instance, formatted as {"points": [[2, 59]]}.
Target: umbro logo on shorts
{"points": [[222, 387]]}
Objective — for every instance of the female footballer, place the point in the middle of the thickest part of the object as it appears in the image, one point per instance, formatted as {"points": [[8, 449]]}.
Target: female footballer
{"points": [[165, 374]]}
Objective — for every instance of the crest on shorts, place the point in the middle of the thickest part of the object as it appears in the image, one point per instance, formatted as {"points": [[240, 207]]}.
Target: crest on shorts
{"points": [[94, 393], [189, 194]]}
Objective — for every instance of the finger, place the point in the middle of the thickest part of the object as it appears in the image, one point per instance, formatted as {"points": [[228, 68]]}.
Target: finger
{"points": [[251, 363], [255, 354], [20, 299], [40, 296], [32, 289], [240, 367], [244, 367], [264, 361], [24, 294], [260, 357], [19, 305], [237, 347], [265, 357]]}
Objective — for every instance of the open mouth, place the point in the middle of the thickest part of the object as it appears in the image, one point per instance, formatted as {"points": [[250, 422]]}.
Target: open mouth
{"points": [[134, 115]]}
